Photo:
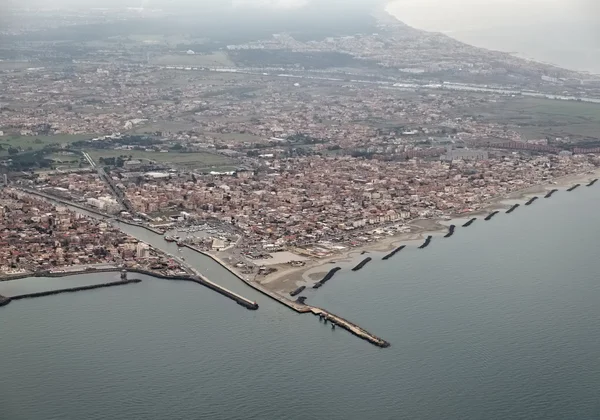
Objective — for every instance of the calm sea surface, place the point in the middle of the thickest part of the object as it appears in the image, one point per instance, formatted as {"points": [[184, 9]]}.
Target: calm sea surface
{"points": [[501, 321]]}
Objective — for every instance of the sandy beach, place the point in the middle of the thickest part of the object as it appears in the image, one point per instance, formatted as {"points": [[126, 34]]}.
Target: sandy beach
{"points": [[288, 278]]}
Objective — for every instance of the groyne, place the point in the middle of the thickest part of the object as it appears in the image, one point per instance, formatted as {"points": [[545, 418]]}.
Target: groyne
{"points": [[513, 208], [6, 300], [574, 187], [394, 252], [362, 264], [592, 183], [470, 222], [450, 231], [530, 202], [327, 277], [492, 214], [302, 308], [550, 193], [297, 291], [427, 242]]}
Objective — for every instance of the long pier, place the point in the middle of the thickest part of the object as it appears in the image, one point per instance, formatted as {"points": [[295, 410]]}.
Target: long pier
{"points": [[303, 308], [4, 300]]}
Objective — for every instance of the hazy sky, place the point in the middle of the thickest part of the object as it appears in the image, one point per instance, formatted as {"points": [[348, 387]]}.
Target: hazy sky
{"points": [[452, 15]]}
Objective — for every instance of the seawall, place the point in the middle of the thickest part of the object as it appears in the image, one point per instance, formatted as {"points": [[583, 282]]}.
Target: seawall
{"points": [[5, 301]]}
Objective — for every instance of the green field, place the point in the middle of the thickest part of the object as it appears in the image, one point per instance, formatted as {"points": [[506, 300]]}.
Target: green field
{"points": [[198, 161], [39, 142], [540, 118]]}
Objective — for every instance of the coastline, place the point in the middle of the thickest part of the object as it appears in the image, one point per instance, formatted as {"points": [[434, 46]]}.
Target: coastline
{"points": [[288, 278]]}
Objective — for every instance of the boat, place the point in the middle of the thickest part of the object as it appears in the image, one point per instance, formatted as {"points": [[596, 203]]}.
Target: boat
{"points": [[169, 239]]}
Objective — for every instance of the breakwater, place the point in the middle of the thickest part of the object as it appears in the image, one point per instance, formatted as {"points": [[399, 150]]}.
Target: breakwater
{"points": [[550, 193], [470, 222], [362, 264], [6, 300], [592, 183], [300, 307], [394, 252], [327, 277], [574, 187], [513, 208], [297, 291], [450, 231], [427, 242], [531, 201], [492, 214]]}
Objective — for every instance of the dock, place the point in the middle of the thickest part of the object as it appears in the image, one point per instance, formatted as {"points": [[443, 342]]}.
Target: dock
{"points": [[574, 187], [550, 193], [592, 182]]}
